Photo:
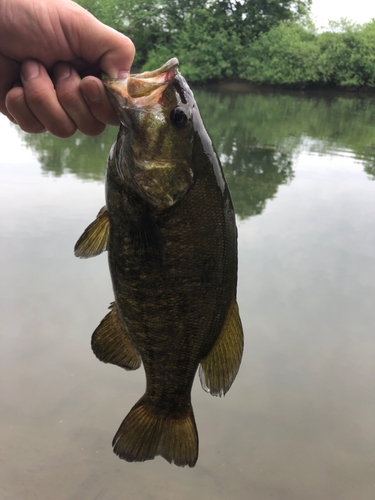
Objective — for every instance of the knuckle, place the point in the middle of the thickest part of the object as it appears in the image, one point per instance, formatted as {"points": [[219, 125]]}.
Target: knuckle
{"points": [[61, 126], [3, 108], [63, 129], [37, 97], [14, 99], [34, 127], [105, 114], [93, 130], [67, 97], [6, 113]]}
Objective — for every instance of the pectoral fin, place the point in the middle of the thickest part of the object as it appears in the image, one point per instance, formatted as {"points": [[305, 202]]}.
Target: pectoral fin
{"points": [[111, 344], [219, 368], [95, 237]]}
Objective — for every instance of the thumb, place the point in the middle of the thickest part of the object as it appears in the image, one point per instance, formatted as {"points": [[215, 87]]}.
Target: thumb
{"points": [[118, 53], [97, 43]]}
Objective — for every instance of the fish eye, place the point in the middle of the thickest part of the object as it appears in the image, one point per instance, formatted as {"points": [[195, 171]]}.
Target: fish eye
{"points": [[178, 117]]}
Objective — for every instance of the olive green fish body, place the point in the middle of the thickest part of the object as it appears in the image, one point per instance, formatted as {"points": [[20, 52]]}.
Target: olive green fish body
{"points": [[172, 247], [174, 309]]}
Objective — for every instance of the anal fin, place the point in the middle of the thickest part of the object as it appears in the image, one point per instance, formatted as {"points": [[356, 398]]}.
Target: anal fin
{"points": [[94, 238], [219, 368], [111, 344]]}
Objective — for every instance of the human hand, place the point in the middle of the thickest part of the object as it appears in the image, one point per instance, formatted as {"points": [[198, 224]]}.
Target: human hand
{"points": [[58, 37]]}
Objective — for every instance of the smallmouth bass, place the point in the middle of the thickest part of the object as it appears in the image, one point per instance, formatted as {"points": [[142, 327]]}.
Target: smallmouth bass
{"points": [[170, 232]]}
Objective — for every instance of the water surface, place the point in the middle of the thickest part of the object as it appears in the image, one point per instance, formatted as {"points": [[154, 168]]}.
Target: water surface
{"points": [[299, 422]]}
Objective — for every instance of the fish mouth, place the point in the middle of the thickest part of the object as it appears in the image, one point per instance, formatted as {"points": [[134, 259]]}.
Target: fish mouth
{"points": [[140, 90]]}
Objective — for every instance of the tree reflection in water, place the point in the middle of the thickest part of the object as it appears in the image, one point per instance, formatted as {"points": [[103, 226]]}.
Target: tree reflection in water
{"points": [[256, 136]]}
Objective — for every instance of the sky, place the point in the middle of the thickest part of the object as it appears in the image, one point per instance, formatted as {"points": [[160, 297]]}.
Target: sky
{"points": [[360, 11]]}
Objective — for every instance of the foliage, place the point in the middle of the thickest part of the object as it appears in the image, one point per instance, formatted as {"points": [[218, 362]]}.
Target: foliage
{"points": [[261, 41], [110, 12], [348, 54], [205, 48], [291, 54], [210, 36], [140, 20], [287, 54]]}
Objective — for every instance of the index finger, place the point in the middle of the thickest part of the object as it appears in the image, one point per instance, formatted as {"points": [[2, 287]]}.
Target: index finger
{"points": [[97, 100]]}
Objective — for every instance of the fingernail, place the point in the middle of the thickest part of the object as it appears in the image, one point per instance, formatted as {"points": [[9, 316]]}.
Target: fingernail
{"points": [[91, 91], [62, 72], [123, 75], [30, 69]]}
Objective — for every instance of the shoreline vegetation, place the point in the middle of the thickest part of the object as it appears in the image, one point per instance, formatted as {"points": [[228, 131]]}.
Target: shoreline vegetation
{"points": [[238, 85], [250, 44]]}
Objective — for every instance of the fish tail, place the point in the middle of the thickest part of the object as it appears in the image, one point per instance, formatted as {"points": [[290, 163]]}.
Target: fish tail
{"points": [[148, 431]]}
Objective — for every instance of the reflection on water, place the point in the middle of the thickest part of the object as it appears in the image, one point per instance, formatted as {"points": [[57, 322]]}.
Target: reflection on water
{"points": [[83, 156], [255, 135], [299, 422]]}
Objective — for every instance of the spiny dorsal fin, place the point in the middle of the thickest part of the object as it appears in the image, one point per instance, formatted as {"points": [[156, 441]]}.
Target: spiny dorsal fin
{"points": [[94, 238], [148, 431], [219, 368], [111, 344]]}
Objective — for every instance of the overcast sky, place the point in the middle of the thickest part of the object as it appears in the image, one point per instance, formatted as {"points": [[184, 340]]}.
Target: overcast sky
{"points": [[360, 11]]}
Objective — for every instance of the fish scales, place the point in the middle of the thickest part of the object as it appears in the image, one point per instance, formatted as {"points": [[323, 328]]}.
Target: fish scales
{"points": [[172, 248], [180, 288]]}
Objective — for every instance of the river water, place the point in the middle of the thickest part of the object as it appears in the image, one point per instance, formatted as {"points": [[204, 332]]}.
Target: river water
{"points": [[299, 421]]}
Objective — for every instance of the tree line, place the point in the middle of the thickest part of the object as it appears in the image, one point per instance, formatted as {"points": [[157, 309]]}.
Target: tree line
{"points": [[260, 41]]}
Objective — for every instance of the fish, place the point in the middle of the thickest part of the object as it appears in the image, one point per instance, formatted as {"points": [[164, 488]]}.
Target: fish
{"points": [[170, 232]]}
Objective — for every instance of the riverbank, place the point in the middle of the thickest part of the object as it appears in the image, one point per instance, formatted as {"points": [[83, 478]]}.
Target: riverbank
{"points": [[238, 85]]}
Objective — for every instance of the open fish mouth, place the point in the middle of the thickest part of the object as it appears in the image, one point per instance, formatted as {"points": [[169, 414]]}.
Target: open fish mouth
{"points": [[141, 90], [157, 121]]}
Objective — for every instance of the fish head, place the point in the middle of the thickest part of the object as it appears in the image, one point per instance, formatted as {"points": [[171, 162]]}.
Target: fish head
{"points": [[156, 112]]}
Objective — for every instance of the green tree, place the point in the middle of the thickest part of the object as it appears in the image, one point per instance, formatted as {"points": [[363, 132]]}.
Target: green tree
{"points": [[348, 54], [205, 27], [141, 20], [295, 55], [286, 54], [249, 18], [205, 48]]}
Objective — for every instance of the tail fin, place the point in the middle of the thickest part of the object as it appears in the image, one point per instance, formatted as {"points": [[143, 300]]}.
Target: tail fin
{"points": [[148, 431]]}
